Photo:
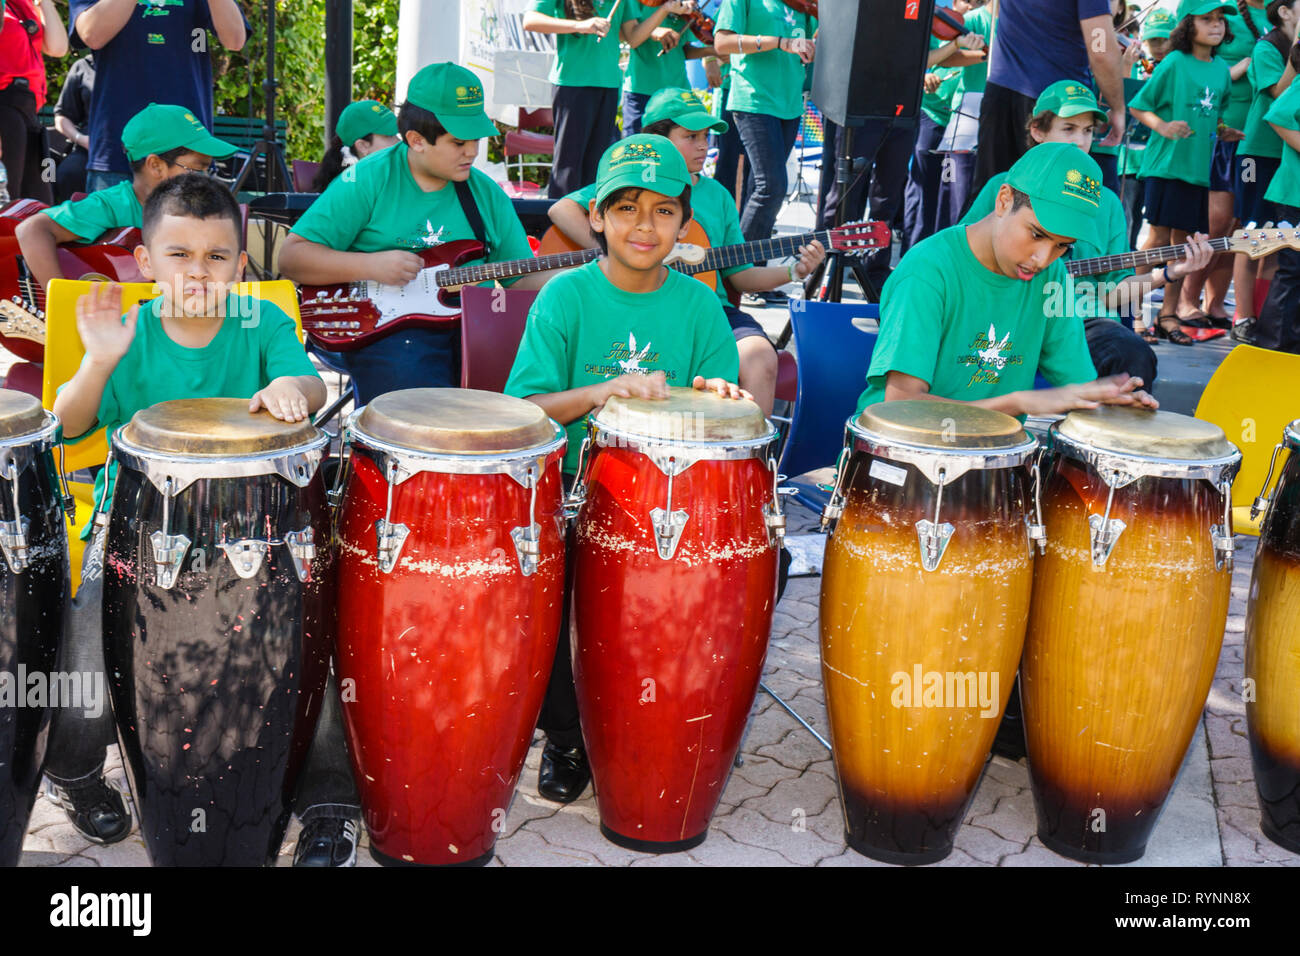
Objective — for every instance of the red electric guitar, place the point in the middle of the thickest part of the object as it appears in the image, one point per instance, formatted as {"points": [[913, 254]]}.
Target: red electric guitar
{"points": [[345, 317], [22, 300]]}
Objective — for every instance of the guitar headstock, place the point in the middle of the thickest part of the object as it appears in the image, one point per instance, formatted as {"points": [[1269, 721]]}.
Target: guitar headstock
{"points": [[18, 321], [858, 236], [1260, 241]]}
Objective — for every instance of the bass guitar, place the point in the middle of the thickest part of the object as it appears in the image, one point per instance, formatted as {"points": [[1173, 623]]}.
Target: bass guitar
{"points": [[1255, 243]]}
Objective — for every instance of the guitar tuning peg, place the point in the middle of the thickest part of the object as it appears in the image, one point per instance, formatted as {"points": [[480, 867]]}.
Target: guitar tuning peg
{"points": [[1285, 225], [1268, 225]]}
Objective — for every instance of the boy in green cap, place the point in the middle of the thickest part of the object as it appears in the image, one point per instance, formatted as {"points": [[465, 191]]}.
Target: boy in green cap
{"points": [[364, 127], [967, 314], [372, 220], [161, 142], [1067, 112], [620, 325], [678, 115]]}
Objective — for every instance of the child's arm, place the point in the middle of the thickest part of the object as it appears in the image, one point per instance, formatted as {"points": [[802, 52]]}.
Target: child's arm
{"points": [[571, 219], [1177, 129], [38, 238], [290, 398], [106, 338], [312, 263], [1289, 136], [544, 23], [763, 278], [636, 32], [572, 404]]}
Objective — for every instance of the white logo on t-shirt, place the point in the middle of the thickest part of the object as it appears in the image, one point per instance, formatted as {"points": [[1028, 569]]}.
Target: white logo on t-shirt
{"points": [[633, 364], [992, 356]]}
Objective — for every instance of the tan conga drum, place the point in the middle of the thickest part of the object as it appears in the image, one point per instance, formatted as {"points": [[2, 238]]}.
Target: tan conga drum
{"points": [[1273, 652], [1130, 601], [925, 596]]}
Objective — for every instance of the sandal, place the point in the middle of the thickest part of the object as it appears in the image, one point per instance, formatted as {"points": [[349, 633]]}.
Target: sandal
{"points": [[1172, 333], [1148, 335]]}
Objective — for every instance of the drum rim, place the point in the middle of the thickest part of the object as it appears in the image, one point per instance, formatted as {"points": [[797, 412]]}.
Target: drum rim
{"points": [[186, 469], [1217, 469], [696, 450], [456, 463], [1291, 434], [45, 435], [927, 458]]}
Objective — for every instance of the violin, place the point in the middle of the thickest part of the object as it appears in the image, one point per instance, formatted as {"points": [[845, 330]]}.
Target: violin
{"points": [[1148, 65], [808, 7], [696, 20], [948, 24]]}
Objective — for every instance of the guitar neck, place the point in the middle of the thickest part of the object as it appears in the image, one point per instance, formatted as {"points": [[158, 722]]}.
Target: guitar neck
{"points": [[1126, 260], [778, 247], [471, 275]]}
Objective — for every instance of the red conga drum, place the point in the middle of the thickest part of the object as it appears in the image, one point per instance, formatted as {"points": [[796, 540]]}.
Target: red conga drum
{"points": [[674, 586], [1126, 622], [451, 574], [1273, 653], [925, 596]]}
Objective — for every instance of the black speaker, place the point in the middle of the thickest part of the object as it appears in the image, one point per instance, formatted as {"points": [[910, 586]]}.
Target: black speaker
{"points": [[871, 58]]}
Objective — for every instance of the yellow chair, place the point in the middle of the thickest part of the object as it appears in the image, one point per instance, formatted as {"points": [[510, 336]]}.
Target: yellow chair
{"points": [[63, 354], [1252, 397]]}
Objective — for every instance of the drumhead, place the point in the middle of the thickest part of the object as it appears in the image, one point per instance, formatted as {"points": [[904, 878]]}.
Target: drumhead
{"points": [[941, 425], [20, 414], [687, 415], [457, 421], [1123, 430], [213, 428]]}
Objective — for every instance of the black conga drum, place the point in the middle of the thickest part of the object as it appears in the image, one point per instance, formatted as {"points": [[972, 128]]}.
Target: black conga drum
{"points": [[216, 641], [33, 601]]}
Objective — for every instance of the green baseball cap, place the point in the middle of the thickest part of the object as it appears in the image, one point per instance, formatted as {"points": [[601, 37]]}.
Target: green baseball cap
{"points": [[645, 161], [1199, 8], [160, 127], [1064, 187], [455, 96], [1159, 24], [1068, 98], [364, 117], [684, 108]]}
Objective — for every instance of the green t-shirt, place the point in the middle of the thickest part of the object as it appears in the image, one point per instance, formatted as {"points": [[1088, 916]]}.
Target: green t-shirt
{"points": [[112, 208], [582, 330], [1196, 92], [1135, 137], [713, 208], [582, 59], [974, 77], [1243, 45], [381, 207], [1266, 68], [1285, 112], [938, 105], [256, 343], [647, 71], [771, 82], [969, 332], [1112, 230]]}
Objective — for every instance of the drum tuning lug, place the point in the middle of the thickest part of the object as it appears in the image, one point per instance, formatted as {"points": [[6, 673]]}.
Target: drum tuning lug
{"points": [[1104, 533], [1258, 507], [933, 539], [832, 512], [775, 526], [1037, 535], [13, 541], [246, 555], [1224, 547], [573, 503], [168, 553], [390, 537], [302, 551], [668, 527], [528, 547]]}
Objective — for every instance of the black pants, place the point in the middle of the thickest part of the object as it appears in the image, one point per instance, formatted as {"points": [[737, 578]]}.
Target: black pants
{"points": [[22, 140], [584, 129], [1002, 137], [325, 786], [922, 214], [1278, 325], [71, 175], [1117, 350], [883, 184]]}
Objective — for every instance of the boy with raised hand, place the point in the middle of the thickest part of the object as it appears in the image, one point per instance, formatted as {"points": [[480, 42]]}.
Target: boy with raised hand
{"points": [[622, 325], [196, 340], [161, 142], [966, 315]]}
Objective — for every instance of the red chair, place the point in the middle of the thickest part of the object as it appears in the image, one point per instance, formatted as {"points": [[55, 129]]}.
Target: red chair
{"points": [[522, 142], [537, 119], [304, 171], [491, 326], [787, 377], [25, 377]]}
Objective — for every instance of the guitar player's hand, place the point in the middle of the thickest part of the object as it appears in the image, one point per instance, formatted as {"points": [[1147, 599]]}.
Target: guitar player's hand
{"points": [[105, 334], [810, 257], [1197, 257], [395, 267]]}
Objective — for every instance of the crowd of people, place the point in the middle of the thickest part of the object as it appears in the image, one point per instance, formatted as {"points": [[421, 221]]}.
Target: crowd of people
{"points": [[1209, 139]]}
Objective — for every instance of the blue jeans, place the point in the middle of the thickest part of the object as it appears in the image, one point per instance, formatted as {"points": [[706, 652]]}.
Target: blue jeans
{"points": [[633, 110], [768, 142], [922, 216], [97, 179], [729, 151], [416, 358]]}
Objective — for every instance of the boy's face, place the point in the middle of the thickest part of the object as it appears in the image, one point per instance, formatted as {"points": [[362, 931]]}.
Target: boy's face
{"points": [[1076, 130], [1210, 28], [194, 261], [641, 228], [692, 144], [1022, 247], [159, 170], [1158, 47], [448, 158]]}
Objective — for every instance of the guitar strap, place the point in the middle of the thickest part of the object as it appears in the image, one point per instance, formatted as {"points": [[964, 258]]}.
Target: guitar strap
{"points": [[470, 208]]}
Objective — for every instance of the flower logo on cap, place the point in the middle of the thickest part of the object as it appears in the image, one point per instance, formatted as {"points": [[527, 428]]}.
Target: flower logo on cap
{"points": [[617, 153], [1074, 177], [376, 108], [1082, 187]]}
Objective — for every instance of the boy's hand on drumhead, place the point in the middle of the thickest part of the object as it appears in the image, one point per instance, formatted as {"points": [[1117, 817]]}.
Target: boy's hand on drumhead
{"points": [[636, 385], [722, 387], [105, 334], [283, 399], [1130, 392]]}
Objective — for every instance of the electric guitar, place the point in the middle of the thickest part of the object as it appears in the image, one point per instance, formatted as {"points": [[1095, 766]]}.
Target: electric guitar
{"points": [[344, 317], [1256, 243]]}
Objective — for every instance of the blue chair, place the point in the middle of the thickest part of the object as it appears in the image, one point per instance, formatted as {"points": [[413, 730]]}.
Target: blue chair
{"points": [[833, 356]]}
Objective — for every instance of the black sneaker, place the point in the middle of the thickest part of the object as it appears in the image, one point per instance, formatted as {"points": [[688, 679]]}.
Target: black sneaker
{"points": [[327, 841], [96, 809], [564, 773], [1244, 331]]}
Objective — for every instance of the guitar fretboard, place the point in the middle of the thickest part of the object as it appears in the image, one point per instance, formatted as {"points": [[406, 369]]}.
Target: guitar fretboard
{"points": [[1125, 260], [469, 275], [778, 247]]}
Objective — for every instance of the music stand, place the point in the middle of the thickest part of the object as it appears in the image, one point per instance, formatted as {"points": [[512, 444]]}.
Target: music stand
{"points": [[268, 147]]}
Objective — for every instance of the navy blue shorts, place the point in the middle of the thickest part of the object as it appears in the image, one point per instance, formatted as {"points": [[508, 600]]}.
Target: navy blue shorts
{"points": [[1251, 186], [1175, 204], [1223, 168], [743, 325]]}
